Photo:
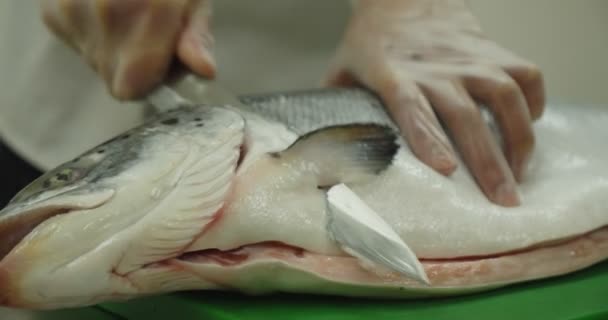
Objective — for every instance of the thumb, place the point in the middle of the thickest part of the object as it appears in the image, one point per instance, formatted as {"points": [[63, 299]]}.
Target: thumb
{"points": [[194, 47]]}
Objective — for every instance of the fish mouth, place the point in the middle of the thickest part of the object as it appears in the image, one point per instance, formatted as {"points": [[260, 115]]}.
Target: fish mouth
{"points": [[539, 261], [16, 223], [15, 228]]}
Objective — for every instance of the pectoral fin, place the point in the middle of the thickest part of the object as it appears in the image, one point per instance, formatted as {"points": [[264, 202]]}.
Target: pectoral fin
{"points": [[365, 235]]}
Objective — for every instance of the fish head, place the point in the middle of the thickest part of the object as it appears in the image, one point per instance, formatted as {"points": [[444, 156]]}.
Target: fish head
{"points": [[74, 235]]}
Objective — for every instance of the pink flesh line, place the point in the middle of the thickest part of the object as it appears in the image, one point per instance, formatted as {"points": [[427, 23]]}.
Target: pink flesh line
{"points": [[533, 263]]}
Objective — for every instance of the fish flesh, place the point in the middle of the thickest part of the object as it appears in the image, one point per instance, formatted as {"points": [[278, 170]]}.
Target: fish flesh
{"points": [[233, 197]]}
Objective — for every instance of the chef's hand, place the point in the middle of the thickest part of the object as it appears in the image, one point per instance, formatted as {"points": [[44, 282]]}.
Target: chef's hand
{"points": [[429, 60], [131, 44]]}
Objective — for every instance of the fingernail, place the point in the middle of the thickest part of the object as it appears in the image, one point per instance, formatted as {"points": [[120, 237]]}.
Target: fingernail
{"points": [[443, 160], [506, 194], [209, 65]]}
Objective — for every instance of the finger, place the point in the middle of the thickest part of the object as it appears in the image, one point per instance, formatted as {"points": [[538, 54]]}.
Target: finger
{"points": [[413, 114], [504, 98], [474, 141], [530, 81], [195, 44], [145, 54], [527, 75], [61, 17]]}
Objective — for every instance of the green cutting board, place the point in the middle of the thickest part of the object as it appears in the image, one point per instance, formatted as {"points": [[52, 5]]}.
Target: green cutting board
{"points": [[581, 295]]}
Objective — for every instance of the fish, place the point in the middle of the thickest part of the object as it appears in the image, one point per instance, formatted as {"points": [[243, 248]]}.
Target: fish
{"points": [[233, 196]]}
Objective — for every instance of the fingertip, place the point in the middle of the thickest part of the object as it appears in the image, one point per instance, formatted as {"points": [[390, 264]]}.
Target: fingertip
{"points": [[535, 97], [197, 56], [531, 81], [413, 114], [445, 164], [119, 88], [202, 64], [519, 168], [520, 152], [506, 195], [435, 155]]}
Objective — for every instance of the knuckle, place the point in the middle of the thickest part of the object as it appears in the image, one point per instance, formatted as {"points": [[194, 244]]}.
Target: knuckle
{"points": [[390, 88], [532, 72], [463, 114], [526, 72], [418, 134], [504, 86], [492, 171], [524, 141], [469, 114]]}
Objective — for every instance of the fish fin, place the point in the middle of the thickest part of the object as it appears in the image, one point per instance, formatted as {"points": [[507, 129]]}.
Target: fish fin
{"points": [[185, 209], [365, 235], [345, 153]]}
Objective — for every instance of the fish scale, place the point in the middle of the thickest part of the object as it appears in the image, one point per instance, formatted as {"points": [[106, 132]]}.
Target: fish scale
{"points": [[309, 110]]}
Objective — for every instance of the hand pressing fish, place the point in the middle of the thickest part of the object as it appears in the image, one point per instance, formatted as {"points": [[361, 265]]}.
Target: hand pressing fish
{"points": [[245, 196]]}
